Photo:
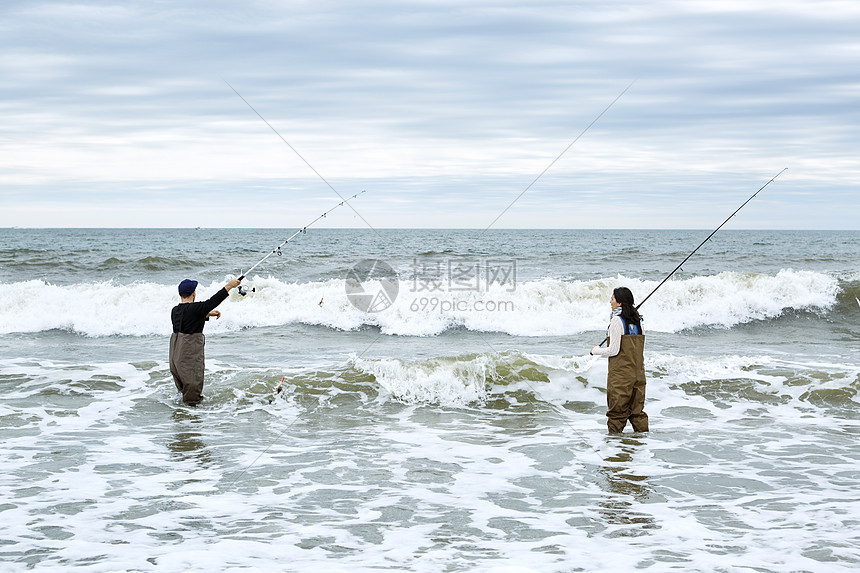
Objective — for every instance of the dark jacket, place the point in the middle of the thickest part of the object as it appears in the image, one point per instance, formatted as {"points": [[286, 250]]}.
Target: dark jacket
{"points": [[190, 317], [187, 357]]}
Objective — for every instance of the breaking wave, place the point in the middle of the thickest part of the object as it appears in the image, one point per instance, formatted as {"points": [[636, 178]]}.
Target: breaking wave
{"points": [[713, 384], [547, 307]]}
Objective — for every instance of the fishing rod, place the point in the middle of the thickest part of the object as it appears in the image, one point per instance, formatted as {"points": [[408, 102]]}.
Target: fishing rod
{"points": [[303, 230], [708, 238]]}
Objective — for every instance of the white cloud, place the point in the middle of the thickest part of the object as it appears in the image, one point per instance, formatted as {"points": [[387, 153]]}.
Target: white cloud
{"points": [[449, 102]]}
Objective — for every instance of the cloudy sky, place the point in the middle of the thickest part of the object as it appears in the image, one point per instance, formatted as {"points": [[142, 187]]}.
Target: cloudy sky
{"points": [[118, 114]]}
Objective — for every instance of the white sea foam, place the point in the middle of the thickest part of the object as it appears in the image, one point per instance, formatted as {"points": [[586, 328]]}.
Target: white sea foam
{"points": [[546, 307], [105, 474], [733, 379], [450, 382]]}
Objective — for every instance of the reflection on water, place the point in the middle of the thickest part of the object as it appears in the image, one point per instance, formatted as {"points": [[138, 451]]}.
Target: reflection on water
{"points": [[627, 490], [187, 442]]}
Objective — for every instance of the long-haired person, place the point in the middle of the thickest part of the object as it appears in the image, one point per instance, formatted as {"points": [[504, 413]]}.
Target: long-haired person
{"points": [[625, 381]]}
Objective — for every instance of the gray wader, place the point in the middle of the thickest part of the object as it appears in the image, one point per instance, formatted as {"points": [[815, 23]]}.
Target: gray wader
{"points": [[625, 386], [187, 364]]}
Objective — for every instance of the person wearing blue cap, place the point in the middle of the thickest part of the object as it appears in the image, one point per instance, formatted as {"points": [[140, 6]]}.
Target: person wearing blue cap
{"points": [[187, 360]]}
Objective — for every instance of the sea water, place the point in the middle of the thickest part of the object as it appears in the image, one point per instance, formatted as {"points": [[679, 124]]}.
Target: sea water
{"points": [[460, 426]]}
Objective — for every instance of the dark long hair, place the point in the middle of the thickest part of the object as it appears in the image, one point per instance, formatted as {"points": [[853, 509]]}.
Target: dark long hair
{"points": [[624, 297]]}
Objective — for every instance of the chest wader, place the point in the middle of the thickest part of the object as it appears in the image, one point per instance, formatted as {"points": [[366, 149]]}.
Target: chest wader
{"points": [[625, 386], [187, 364]]}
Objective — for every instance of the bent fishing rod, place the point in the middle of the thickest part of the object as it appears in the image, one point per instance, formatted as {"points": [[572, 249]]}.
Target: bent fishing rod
{"points": [[708, 238], [303, 230]]}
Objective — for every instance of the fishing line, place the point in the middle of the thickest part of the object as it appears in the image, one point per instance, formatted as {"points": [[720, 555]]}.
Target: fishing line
{"points": [[553, 162], [303, 230], [277, 250], [708, 238], [271, 444], [324, 180]]}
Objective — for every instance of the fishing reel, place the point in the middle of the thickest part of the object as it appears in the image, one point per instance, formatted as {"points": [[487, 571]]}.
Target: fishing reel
{"points": [[243, 290]]}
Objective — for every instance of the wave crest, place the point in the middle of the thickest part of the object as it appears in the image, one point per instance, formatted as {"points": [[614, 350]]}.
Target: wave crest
{"points": [[547, 307]]}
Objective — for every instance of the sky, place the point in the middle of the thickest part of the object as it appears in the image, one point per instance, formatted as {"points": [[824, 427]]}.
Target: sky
{"points": [[448, 113]]}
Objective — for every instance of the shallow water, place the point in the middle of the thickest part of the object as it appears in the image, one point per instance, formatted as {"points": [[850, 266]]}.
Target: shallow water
{"points": [[427, 440]]}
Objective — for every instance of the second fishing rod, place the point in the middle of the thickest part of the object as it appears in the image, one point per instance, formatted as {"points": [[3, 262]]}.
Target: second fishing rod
{"points": [[708, 238]]}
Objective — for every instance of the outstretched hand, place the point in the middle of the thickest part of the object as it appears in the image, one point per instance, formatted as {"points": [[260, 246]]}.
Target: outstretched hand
{"points": [[215, 313]]}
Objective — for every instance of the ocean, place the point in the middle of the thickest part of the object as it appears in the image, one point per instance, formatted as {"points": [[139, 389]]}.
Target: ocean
{"points": [[424, 400]]}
